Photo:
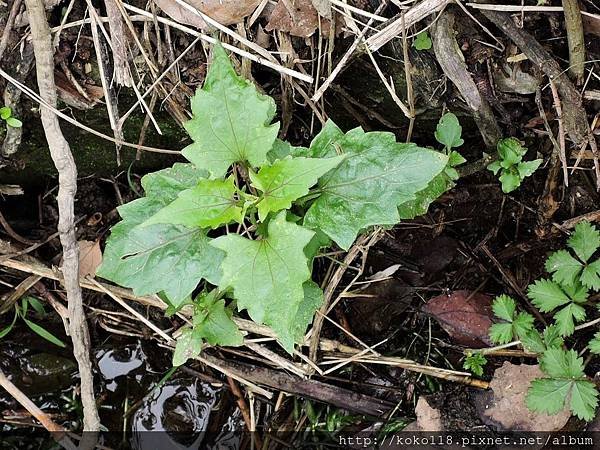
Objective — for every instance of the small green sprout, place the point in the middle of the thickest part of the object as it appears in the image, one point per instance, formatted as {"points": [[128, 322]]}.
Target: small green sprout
{"points": [[513, 170], [422, 41], [6, 115], [475, 363]]}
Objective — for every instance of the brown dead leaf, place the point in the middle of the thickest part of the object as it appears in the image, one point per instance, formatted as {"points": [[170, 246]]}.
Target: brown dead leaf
{"points": [[504, 407], [68, 94], [90, 257], [465, 316], [226, 12], [302, 20]]}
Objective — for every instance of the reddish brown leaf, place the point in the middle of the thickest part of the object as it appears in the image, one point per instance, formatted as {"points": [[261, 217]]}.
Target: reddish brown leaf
{"points": [[226, 12], [465, 316], [301, 21]]}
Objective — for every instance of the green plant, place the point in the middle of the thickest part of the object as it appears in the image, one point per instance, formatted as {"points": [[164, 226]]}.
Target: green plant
{"points": [[475, 362], [565, 380], [243, 221], [22, 311], [422, 41], [514, 324], [448, 133], [573, 266], [567, 296], [513, 170], [6, 115]]}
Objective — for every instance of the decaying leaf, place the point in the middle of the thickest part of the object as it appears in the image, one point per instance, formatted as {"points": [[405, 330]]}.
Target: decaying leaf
{"points": [[68, 94], [90, 257], [504, 407], [226, 12], [302, 20], [464, 315]]}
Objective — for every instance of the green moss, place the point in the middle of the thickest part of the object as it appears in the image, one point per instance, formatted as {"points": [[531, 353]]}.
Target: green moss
{"points": [[93, 155]]}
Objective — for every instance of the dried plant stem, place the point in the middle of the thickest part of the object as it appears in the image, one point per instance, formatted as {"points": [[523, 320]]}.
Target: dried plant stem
{"points": [[574, 26], [561, 133], [67, 178]]}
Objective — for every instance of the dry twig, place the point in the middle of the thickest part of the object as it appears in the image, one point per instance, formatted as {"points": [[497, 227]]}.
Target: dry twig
{"points": [[67, 175]]}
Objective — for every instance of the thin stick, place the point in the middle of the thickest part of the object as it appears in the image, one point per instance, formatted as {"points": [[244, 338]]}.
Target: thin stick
{"points": [[239, 397], [136, 314], [265, 62], [340, 65], [58, 432], [257, 48], [561, 133], [409, 85], [110, 106], [411, 17], [389, 87], [67, 173], [160, 77]]}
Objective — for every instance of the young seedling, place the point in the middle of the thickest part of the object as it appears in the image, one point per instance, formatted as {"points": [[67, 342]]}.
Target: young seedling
{"points": [[448, 133], [6, 115], [285, 202], [513, 170], [475, 363], [21, 312], [422, 41], [565, 380], [513, 324]]}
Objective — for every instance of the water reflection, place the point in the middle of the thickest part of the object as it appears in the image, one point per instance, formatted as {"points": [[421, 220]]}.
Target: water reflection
{"points": [[176, 416]]}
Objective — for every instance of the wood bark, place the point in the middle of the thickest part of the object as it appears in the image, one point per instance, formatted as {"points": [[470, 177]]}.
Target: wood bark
{"points": [[67, 180]]}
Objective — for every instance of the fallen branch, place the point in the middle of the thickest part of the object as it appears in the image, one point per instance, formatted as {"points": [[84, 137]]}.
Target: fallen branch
{"points": [[34, 267], [453, 64], [411, 17], [67, 179], [322, 392]]}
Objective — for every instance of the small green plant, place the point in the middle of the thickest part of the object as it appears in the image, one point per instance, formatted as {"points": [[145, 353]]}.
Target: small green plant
{"points": [[513, 170], [422, 41], [566, 295], [565, 381], [572, 266], [475, 362], [238, 227], [448, 133], [22, 311], [6, 115], [513, 324]]}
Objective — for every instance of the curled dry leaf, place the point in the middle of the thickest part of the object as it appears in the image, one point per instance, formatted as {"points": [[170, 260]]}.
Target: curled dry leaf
{"points": [[464, 315], [90, 257], [68, 94], [226, 12], [504, 407]]}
